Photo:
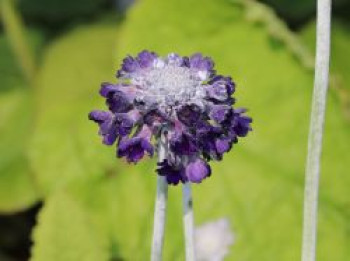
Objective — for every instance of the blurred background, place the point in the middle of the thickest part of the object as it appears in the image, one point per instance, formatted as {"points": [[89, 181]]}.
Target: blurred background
{"points": [[64, 196]]}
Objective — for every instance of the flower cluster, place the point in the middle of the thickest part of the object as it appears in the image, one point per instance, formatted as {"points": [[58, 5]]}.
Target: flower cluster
{"points": [[181, 98]]}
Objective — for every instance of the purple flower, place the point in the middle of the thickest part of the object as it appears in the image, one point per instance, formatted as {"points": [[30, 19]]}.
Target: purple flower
{"points": [[145, 59], [197, 170], [173, 174], [134, 148], [189, 115], [176, 96], [219, 112], [220, 88], [114, 125], [239, 124], [203, 65], [129, 65], [119, 98], [213, 142], [107, 125], [182, 142]]}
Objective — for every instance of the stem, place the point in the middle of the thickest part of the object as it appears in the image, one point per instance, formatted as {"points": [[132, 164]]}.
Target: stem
{"points": [[160, 206], [188, 222], [316, 130], [15, 32]]}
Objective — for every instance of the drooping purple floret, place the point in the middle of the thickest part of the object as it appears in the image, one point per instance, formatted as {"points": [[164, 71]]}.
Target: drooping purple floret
{"points": [[173, 174], [183, 144], [219, 112], [129, 65], [197, 170], [134, 148], [107, 125], [176, 96], [145, 59]]}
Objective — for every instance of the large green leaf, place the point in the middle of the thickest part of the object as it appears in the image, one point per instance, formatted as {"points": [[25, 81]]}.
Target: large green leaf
{"points": [[17, 186], [259, 186], [65, 233], [340, 60], [66, 152], [65, 146]]}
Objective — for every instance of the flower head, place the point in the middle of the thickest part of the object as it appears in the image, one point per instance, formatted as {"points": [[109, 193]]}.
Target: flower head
{"points": [[180, 97]]}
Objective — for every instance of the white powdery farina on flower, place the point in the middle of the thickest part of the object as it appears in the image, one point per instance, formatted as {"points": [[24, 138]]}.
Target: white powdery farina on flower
{"points": [[213, 240]]}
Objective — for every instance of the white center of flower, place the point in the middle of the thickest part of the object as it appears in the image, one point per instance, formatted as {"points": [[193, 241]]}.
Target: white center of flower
{"points": [[171, 85]]}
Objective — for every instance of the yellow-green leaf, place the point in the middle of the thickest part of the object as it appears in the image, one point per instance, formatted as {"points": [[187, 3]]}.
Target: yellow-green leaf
{"points": [[17, 186], [66, 233]]}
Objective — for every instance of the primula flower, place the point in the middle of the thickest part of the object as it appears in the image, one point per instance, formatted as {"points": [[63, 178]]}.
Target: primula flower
{"points": [[180, 97]]}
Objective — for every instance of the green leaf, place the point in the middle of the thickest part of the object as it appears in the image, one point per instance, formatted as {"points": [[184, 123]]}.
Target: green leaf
{"points": [[66, 152], [65, 233], [17, 186], [57, 12], [259, 186], [340, 60], [65, 146]]}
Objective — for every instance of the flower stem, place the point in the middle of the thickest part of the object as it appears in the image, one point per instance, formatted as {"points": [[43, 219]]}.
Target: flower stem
{"points": [[160, 207], [188, 222], [316, 130], [15, 32]]}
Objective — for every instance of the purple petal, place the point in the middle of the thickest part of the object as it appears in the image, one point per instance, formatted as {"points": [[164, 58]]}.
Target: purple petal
{"points": [[173, 174], [182, 143], [146, 58], [197, 61], [175, 59], [189, 115], [119, 98], [208, 139], [125, 123], [129, 65], [197, 170], [223, 145], [155, 117], [219, 113], [220, 89], [106, 122], [240, 124], [134, 148]]}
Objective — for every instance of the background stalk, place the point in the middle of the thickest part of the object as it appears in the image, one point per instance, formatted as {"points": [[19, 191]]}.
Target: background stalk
{"points": [[316, 130], [16, 35], [160, 206], [188, 222]]}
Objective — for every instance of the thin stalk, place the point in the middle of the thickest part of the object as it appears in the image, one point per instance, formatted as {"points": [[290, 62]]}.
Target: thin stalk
{"points": [[188, 222], [15, 32], [160, 207], [316, 130]]}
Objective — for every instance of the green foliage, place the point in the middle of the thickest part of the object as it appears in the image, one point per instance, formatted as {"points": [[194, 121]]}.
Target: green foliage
{"points": [[59, 11], [17, 187], [259, 186], [63, 147], [297, 12], [65, 233], [340, 60]]}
